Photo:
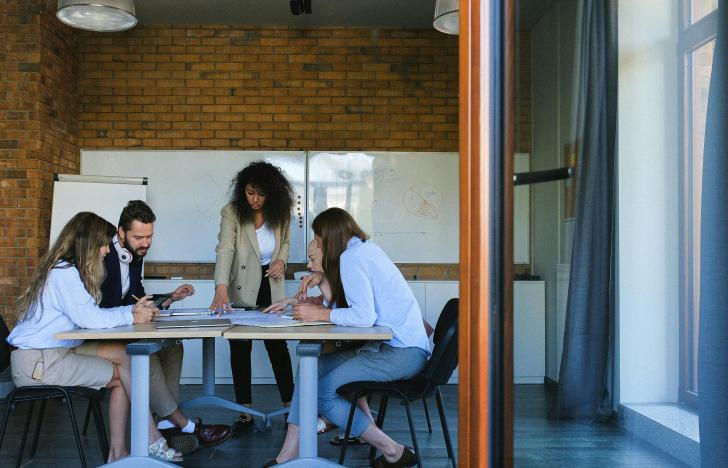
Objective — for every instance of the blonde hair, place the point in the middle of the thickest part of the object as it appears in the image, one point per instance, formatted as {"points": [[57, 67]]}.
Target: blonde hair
{"points": [[78, 244]]}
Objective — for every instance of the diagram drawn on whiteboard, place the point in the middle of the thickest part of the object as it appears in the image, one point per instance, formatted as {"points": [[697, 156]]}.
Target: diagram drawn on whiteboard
{"points": [[423, 201]]}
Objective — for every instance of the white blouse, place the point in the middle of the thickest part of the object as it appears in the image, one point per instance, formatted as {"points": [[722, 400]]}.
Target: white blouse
{"points": [[266, 243], [65, 305]]}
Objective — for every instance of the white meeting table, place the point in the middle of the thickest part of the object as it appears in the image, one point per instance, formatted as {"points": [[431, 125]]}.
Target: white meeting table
{"points": [[148, 340]]}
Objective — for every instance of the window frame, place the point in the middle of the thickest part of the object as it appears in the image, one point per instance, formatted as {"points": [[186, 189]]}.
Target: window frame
{"points": [[690, 38]]}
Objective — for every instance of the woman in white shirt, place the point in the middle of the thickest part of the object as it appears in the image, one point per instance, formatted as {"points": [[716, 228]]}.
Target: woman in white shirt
{"points": [[63, 294], [367, 289], [252, 252]]}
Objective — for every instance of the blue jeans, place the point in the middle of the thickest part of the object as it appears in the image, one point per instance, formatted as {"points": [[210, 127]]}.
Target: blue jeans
{"points": [[387, 364]]}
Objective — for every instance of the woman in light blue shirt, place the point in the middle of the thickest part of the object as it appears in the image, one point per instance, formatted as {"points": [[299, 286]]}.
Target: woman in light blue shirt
{"points": [[367, 289], [63, 294]]}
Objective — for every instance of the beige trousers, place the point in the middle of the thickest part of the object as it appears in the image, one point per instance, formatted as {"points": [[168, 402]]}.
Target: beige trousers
{"points": [[165, 370]]}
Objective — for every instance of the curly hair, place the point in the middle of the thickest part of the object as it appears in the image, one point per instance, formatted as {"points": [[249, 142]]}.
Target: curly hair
{"points": [[279, 194]]}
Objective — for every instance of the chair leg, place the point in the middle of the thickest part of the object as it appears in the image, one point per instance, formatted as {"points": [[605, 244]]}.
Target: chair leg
{"points": [[21, 448], [427, 415], [38, 425], [8, 408], [412, 431], [445, 432], [345, 442], [87, 418], [76, 434], [95, 405], [380, 422]]}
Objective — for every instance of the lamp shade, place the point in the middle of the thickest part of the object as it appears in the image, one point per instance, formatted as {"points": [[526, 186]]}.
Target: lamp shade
{"points": [[98, 15], [447, 17]]}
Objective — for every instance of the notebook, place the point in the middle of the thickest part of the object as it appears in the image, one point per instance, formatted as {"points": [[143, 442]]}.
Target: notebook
{"points": [[217, 322]]}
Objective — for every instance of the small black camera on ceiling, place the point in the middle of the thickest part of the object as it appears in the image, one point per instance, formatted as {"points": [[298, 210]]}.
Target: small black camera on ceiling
{"points": [[300, 7]]}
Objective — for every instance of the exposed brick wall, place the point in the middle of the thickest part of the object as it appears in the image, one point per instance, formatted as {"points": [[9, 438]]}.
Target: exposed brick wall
{"points": [[37, 128], [206, 87], [411, 271], [225, 87]]}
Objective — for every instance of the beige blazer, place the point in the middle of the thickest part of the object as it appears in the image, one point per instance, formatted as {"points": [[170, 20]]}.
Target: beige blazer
{"points": [[237, 263]]}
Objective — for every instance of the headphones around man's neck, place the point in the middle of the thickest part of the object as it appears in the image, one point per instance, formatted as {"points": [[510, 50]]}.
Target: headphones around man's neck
{"points": [[124, 255]]}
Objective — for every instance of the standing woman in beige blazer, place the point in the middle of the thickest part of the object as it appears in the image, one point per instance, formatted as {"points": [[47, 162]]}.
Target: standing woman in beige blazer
{"points": [[252, 252]]}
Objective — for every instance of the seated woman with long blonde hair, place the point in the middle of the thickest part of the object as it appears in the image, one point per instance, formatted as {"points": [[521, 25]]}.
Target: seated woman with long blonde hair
{"points": [[64, 294]]}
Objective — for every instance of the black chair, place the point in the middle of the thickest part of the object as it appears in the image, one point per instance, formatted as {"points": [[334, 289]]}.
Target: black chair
{"points": [[437, 372], [43, 393]]}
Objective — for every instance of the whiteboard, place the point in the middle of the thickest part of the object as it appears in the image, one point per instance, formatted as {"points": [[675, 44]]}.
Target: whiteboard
{"points": [[407, 202], [187, 190], [105, 199]]}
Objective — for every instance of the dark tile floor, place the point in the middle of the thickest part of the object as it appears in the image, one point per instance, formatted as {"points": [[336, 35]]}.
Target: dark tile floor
{"points": [[538, 441]]}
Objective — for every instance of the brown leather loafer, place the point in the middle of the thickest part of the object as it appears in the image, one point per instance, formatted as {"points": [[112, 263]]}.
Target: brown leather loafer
{"points": [[408, 458], [210, 435]]}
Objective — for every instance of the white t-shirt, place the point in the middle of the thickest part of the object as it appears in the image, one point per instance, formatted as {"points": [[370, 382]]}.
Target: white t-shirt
{"points": [[266, 243]]}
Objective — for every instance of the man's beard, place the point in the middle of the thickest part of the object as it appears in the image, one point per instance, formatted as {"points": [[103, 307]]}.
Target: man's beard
{"points": [[135, 254]]}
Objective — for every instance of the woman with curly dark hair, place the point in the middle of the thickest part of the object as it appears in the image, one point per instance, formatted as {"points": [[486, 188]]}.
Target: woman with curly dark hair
{"points": [[252, 252]]}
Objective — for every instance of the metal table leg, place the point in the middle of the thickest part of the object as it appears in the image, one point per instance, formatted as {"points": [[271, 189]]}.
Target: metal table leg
{"points": [[210, 398], [139, 457], [308, 354]]}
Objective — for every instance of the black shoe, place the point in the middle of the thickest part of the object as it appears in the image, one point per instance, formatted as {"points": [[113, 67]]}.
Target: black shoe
{"points": [[242, 422], [339, 439], [408, 458], [270, 462]]}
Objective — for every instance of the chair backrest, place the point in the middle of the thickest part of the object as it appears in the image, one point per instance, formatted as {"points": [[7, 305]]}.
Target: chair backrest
{"points": [[6, 381], [444, 358], [4, 346]]}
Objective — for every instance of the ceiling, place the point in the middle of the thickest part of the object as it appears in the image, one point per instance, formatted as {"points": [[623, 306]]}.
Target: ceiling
{"points": [[355, 13], [416, 14]]}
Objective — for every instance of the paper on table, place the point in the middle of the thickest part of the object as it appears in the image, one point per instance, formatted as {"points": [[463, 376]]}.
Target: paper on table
{"points": [[258, 319]]}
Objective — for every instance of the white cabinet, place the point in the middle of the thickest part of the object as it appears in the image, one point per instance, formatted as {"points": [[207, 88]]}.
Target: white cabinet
{"points": [[529, 332]]}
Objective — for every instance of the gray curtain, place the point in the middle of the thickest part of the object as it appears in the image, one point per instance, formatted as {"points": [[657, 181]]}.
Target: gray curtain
{"points": [[584, 377], [713, 328]]}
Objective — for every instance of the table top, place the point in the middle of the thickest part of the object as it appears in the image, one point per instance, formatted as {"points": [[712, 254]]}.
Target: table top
{"points": [[310, 332], [237, 332], [139, 332]]}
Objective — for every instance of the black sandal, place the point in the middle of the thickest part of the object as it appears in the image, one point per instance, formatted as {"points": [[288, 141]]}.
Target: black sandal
{"points": [[407, 459], [339, 439]]}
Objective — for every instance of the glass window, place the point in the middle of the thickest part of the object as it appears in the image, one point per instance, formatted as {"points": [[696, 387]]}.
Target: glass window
{"points": [[700, 64], [696, 49], [701, 8]]}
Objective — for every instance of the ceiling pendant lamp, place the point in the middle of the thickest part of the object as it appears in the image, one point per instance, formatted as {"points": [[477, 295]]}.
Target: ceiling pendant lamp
{"points": [[447, 18], [97, 15]]}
